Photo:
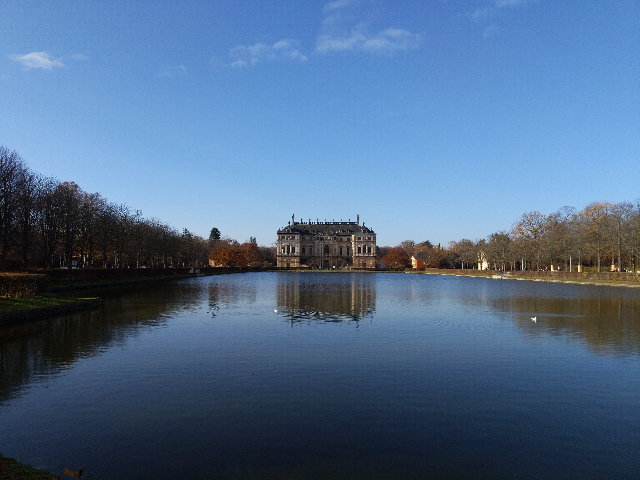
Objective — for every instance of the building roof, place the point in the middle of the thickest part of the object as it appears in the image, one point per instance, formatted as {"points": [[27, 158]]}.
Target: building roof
{"points": [[327, 228]]}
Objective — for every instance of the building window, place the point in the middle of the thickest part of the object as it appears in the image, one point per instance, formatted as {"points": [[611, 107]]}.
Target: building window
{"points": [[359, 249], [293, 249], [288, 249], [326, 249], [348, 251], [340, 250], [310, 250], [368, 249], [303, 250]]}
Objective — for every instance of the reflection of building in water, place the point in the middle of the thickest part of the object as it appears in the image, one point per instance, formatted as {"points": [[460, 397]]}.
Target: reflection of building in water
{"points": [[326, 245], [351, 297]]}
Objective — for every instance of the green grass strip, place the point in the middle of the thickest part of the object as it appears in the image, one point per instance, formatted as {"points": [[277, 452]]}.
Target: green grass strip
{"points": [[23, 304], [14, 470]]}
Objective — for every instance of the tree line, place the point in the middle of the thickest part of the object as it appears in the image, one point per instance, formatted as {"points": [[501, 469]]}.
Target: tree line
{"points": [[45, 223], [603, 235]]}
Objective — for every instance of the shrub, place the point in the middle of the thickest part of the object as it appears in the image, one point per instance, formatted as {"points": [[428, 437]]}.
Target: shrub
{"points": [[14, 285]]}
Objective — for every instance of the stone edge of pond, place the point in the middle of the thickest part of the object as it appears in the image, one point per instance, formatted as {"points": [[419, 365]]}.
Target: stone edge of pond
{"points": [[34, 313], [13, 469], [123, 282], [586, 281], [70, 287]]}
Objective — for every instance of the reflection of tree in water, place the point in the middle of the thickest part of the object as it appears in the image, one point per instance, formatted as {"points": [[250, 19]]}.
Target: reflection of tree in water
{"points": [[229, 295], [317, 297], [40, 348], [608, 324]]}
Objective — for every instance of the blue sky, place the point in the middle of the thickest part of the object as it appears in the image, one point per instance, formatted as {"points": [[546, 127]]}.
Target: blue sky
{"points": [[439, 120]]}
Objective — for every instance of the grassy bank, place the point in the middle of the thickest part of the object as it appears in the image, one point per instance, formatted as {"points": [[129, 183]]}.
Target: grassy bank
{"points": [[11, 469], [27, 308]]}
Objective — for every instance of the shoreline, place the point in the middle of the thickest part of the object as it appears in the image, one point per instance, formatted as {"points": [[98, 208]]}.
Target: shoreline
{"points": [[547, 279], [72, 286], [56, 306], [49, 303]]}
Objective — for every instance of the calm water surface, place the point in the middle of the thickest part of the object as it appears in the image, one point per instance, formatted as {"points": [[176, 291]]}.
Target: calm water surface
{"points": [[320, 375]]}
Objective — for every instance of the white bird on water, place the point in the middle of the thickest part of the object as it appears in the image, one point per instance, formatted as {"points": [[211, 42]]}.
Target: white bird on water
{"points": [[276, 311], [534, 319]]}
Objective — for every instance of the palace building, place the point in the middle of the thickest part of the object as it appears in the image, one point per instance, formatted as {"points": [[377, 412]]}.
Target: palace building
{"points": [[326, 245]]}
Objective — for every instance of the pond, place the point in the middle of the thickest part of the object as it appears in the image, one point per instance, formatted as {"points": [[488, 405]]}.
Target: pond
{"points": [[330, 375]]}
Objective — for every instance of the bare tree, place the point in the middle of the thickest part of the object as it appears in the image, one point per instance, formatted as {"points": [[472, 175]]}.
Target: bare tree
{"points": [[497, 249], [468, 254], [408, 246], [596, 221], [68, 200], [528, 232], [559, 241], [12, 170], [26, 213], [621, 214], [48, 219]]}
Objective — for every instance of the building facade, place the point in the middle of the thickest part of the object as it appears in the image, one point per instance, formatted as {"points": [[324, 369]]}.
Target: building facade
{"points": [[326, 245]]}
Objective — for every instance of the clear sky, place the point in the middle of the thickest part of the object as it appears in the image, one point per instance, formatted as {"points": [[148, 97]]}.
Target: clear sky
{"points": [[438, 120]]}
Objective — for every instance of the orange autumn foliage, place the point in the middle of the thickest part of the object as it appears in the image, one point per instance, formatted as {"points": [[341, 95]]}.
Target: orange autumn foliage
{"points": [[396, 258], [229, 253]]}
